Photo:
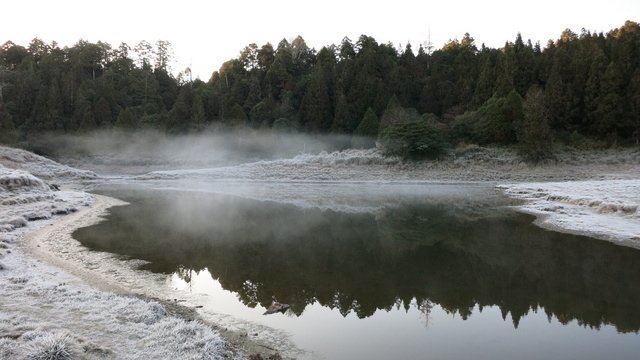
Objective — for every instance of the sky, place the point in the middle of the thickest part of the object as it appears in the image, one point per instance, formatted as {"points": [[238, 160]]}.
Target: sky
{"points": [[204, 34]]}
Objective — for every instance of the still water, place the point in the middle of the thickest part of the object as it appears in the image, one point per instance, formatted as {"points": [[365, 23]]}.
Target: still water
{"points": [[383, 271]]}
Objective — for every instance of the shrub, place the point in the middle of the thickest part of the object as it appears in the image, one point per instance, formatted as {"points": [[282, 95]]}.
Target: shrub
{"points": [[51, 347], [367, 131], [414, 140], [283, 125]]}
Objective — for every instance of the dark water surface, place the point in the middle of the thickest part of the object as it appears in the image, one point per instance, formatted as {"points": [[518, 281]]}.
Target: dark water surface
{"points": [[432, 272]]}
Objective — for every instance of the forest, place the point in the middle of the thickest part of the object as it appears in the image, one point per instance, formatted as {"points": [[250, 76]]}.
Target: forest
{"points": [[581, 89]]}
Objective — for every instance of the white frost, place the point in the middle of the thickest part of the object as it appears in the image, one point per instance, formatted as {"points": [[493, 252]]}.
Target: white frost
{"points": [[24, 197], [607, 209], [39, 166], [351, 165], [46, 313]]}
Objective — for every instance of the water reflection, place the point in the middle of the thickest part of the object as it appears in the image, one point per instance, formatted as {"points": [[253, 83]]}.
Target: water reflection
{"points": [[422, 251]]}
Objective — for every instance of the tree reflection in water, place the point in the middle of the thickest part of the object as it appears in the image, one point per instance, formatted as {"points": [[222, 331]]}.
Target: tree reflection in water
{"points": [[418, 252]]}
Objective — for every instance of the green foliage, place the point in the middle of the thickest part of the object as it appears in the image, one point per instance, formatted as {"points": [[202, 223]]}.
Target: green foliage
{"points": [[262, 112], [102, 113], [8, 133], [492, 123], [633, 94], [126, 120], [589, 84], [88, 120], [413, 140], [535, 141], [197, 113], [237, 117], [396, 114], [181, 112], [412, 136], [316, 109], [609, 115], [366, 133], [283, 125]]}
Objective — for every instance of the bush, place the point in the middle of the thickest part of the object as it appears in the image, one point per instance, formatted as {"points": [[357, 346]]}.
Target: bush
{"points": [[491, 123], [283, 125], [51, 347], [414, 140], [367, 131]]}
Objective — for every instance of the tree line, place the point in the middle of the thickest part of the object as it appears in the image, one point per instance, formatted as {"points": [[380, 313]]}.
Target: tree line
{"points": [[578, 89]]}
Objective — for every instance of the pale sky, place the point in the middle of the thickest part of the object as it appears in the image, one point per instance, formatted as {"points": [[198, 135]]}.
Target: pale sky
{"points": [[204, 34]]}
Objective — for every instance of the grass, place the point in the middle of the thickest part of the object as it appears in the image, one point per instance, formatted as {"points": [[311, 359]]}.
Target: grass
{"points": [[51, 347]]}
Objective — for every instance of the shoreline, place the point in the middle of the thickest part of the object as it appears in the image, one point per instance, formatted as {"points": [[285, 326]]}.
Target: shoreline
{"points": [[40, 243], [51, 242], [49, 251]]}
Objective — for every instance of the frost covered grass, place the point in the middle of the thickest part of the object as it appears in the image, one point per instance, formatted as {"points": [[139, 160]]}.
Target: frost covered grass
{"points": [[24, 198], [352, 164], [39, 166], [46, 313], [607, 209], [468, 163], [48, 346]]}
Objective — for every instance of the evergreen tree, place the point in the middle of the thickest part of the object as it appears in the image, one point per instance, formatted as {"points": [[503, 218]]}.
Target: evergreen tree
{"points": [[484, 86], [279, 76], [54, 108], [283, 125], [610, 111], [592, 89], [367, 131], [88, 120], [534, 135], [316, 112], [589, 83], [180, 115], [344, 120], [38, 119], [125, 121], [262, 113], [393, 114], [197, 113], [8, 133], [237, 117], [633, 94]]}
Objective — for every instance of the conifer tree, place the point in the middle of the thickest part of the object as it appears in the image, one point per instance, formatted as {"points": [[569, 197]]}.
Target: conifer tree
{"points": [[8, 132], [367, 131], [633, 93], [125, 121], [534, 135], [237, 117], [197, 113]]}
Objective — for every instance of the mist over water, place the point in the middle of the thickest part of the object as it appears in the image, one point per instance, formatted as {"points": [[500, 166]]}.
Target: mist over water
{"points": [[375, 259], [404, 256], [143, 151]]}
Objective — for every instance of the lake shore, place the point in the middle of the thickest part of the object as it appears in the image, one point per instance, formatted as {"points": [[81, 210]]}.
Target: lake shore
{"points": [[54, 245], [52, 303], [39, 253]]}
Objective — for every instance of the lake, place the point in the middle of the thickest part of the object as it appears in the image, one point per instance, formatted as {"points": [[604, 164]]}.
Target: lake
{"points": [[379, 271]]}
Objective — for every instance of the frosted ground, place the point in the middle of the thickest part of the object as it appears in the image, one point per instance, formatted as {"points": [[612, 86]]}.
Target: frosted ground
{"points": [[46, 312], [606, 209], [54, 294]]}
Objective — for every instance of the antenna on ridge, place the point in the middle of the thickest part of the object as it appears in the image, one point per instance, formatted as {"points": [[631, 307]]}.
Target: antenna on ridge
{"points": [[428, 46]]}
